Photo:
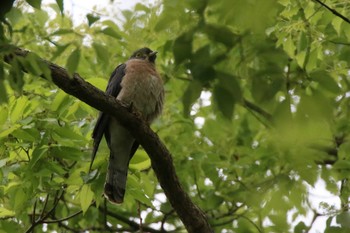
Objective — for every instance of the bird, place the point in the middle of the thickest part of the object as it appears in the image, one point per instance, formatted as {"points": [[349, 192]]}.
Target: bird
{"points": [[135, 83]]}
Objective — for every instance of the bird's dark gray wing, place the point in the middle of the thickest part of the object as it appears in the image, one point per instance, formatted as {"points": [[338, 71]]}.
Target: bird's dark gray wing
{"points": [[113, 89]]}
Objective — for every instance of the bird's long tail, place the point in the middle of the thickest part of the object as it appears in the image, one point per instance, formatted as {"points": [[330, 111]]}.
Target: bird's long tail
{"points": [[121, 144], [114, 189]]}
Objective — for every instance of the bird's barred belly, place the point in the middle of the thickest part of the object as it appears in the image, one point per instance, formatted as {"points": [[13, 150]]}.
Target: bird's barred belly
{"points": [[144, 92]]}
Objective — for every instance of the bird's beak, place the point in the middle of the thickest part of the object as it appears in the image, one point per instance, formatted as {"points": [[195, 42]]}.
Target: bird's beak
{"points": [[154, 53], [152, 56]]}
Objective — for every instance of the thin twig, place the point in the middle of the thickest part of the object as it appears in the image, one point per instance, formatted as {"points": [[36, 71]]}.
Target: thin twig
{"points": [[139, 212], [252, 222], [44, 215], [45, 204], [288, 76], [104, 212], [63, 219], [132, 224], [34, 210], [257, 109], [166, 216], [333, 11], [338, 42], [258, 112], [316, 215]]}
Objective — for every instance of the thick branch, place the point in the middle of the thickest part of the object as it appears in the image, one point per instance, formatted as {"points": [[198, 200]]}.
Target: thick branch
{"points": [[192, 217]]}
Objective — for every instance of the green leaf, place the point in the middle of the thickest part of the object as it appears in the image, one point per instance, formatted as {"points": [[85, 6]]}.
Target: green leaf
{"points": [[62, 31], [230, 83], [289, 47], [4, 115], [61, 101], [16, 76], [225, 101], [191, 94], [6, 213], [135, 190], [30, 64], [182, 47], [3, 93], [312, 61], [102, 52], [19, 199], [300, 227], [344, 220], [326, 81], [59, 50], [88, 177], [140, 161], [2, 72], [266, 83], [100, 83], [141, 7], [41, 18], [202, 65], [73, 61], [334, 229], [212, 201], [342, 165], [60, 5], [8, 131], [55, 169], [86, 196], [3, 162], [37, 154], [14, 16], [173, 15], [65, 152], [337, 22], [111, 32], [92, 19], [343, 150], [34, 3], [45, 70], [10, 226], [17, 112], [31, 135], [221, 34], [68, 133], [300, 58], [199, 6], [302, 42]]}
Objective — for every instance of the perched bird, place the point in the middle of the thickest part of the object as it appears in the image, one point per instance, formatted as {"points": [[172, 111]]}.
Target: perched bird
{"points": [[137, 84]]}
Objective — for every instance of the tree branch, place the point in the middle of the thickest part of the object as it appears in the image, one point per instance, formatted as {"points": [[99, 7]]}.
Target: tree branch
{"points": [[192, 216], [63, 219], [132, 224], [267, 117], [333, 11], [44, 215]]}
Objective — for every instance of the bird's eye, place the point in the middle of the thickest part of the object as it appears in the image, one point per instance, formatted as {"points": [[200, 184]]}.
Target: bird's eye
{"points": [[138, 54]]}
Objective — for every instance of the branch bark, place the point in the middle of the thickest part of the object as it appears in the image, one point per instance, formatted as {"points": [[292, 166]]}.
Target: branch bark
{"points": [[192, 216]]}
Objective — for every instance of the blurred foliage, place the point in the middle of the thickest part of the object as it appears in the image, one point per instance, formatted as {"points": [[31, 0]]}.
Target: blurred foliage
{"points": [[257, 113]]}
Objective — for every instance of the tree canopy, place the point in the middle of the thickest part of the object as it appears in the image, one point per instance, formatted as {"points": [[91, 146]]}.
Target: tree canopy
{"points": [[256, 114]]}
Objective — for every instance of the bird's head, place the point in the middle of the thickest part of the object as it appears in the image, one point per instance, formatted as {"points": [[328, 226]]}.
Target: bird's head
{"points": [[145, 54]]}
